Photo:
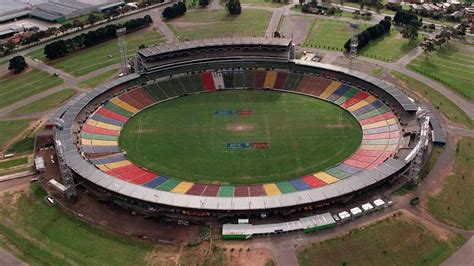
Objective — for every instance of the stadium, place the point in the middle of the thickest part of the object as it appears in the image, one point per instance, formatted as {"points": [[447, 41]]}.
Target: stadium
{"points": [[233, 107]]}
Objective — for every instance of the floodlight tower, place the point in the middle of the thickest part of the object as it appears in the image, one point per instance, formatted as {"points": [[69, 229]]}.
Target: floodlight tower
{"points": [[123, 52], [354, 44]]}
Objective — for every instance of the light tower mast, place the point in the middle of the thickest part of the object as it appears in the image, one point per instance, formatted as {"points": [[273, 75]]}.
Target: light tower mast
{"points": [[354, 44], [123, 52]]}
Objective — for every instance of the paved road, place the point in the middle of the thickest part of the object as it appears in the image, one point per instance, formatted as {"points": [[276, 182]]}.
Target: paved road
{"points": [[8, 260], [463, 256]]}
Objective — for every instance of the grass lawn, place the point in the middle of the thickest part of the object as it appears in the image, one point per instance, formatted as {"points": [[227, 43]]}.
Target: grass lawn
{"points": [[452, 65], [91, 59], [389, 48], [18, 87], [443, 104], [454, 204], [94, 81], [42, 235], [393, 241], [13, 163], [204, 24], [46, 103], [12, 128], [329, 34], [305, 135]]}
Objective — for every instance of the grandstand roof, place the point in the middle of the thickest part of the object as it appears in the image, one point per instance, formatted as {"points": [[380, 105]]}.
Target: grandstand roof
{"points": [[172, 47]]}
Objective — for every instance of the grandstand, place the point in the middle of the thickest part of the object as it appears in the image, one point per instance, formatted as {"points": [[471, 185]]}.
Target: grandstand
{"points": [[92, 125]]}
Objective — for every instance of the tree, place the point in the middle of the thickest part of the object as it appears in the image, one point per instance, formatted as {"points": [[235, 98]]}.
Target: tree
{"points": [[17, 64], [92, 19], [233, 7], [203, 3], [428, 47], [181, 8], [77, 24], [410, 31]]}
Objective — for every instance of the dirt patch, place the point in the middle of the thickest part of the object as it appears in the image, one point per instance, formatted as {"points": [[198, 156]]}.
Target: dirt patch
{"points": [[246, 254], [162, 255], [240, 127]]}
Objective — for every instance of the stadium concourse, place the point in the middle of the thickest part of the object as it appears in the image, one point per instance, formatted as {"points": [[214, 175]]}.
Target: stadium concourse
{"points": [[87, 129]]}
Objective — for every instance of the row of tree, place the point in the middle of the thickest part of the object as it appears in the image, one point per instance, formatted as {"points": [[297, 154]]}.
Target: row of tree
{"points": [[63, 47], [371, 33], [174, 11], [443, 37]]}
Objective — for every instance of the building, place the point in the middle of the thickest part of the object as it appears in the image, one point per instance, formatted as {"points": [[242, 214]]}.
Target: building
{"points": [[11, 9]]}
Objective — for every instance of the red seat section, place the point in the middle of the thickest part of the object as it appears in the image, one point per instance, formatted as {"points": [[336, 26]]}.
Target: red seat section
{"points": [[100, 131], [241, 191], [280, 80], [211, 191], [196, 189], [110, 114], [256, 190], [208, 81], [355, 99], [313, 85], [313, 181], [260, 76]]}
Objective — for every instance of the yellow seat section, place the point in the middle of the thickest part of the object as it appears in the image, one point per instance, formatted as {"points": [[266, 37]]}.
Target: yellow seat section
{"points": [[391, 121], [124, 105], [382, 123], [370, 99], [373, 147], [271, 189], [330, 89], [86, 141], [117, 164], [326, 178], [357, 106], [270, 79], [182, 187], [391, 147], [96, 142], [95, 123], [103, 167]]}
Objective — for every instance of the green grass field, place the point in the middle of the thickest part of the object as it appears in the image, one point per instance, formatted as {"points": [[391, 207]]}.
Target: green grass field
{"points": [[12, 163], [452, 65], [389, 47], [11, 129], [18, 87], [91, 59], [454, 204], [94, 81], [305, 135], [330, 34], [42, 235], [393, 241], [204, 24], [439, 101], [47, 103]]}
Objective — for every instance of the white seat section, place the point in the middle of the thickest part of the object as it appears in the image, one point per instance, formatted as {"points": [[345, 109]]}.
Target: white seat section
{"points": [[218, 80]]}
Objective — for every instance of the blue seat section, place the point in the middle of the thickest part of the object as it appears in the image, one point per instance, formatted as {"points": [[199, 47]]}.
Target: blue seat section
{"points": [[107, 120], [377, 104], [156, 181], [299, 184], [339, 92], [108, 159], [100, 149], [347, 168], [376, 130], [363, 110]]}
